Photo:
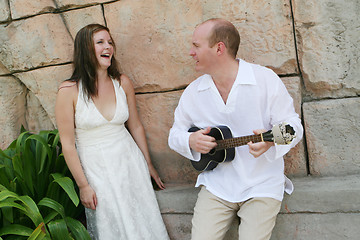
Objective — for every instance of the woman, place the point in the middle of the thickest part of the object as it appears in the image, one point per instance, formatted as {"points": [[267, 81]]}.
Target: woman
{"points": [[109, 163]]}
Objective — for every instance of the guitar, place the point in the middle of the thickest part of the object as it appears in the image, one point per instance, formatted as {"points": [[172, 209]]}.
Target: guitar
{"points": [[225, 150]]}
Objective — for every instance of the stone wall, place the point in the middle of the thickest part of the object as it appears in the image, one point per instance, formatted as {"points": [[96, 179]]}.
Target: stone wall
{"points": [[313, 46]]}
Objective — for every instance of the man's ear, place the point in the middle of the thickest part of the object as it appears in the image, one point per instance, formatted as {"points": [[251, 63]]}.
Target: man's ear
{"points": [[221, 48]]}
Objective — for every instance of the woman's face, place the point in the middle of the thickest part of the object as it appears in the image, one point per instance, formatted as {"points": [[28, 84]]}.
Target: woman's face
{"points": [[104, 49]]}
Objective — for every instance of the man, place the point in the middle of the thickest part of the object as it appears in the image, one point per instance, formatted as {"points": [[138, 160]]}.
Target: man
{"points": [[249, 99]]}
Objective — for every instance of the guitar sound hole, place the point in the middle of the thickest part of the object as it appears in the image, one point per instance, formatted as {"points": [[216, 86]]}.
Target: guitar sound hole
{"points": [[212, 151]]}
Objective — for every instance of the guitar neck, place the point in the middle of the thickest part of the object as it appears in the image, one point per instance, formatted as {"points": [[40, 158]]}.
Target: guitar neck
{"points": [[238, 141]]}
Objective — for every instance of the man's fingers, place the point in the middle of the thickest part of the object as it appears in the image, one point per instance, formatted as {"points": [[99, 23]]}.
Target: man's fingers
{"points": [[201, 142], [206, 146], [206, 130], [258, 131]]}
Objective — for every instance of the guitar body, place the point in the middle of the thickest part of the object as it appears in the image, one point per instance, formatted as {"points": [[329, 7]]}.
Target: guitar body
{"points": [[225, 150], [210, 160]]}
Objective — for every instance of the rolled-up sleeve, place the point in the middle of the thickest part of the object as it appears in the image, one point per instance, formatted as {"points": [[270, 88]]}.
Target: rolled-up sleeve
{"points": [[282, 111], [179, 136]]}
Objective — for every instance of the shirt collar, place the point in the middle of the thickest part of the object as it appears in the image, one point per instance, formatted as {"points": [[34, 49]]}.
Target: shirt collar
{"points": [[245, 75]]}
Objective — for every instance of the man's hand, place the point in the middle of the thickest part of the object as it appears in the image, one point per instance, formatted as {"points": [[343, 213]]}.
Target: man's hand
{"points": [[201, 142], [257, 149]]}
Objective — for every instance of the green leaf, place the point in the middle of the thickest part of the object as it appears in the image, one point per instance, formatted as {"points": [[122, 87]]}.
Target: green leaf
{"points": [[16, 229], [28, 161], [7, 162], [20, 140], [4, 194], [12, 145], [41, 151], [7, 214], [2, 154], [77, 229], [2, 188], [25, 170], [50, 203], [60, 165], [18, 168], [43, 142], [22, 129], [68, 185], [11, 203], [50, 216], [41, 154], [22, 162], [39, 233], [27, 206], [32, 210], [56, 139], [58, 230]]}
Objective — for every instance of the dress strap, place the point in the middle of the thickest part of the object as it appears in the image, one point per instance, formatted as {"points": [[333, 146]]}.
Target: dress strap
{"points": [[81, 99], [66, 86], [116, 87]]}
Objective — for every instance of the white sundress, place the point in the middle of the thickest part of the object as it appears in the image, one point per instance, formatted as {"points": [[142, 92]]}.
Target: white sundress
{"points": [[117, 171]]}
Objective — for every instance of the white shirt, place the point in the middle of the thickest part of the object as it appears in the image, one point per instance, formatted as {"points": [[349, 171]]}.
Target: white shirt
{"points": [[258, 100]]}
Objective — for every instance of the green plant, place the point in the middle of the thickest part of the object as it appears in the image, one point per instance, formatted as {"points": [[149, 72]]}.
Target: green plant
{"points": [[38, 198]]}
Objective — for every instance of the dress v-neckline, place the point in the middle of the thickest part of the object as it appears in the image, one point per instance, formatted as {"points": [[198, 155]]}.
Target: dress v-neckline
{"points": [[116, 104]]}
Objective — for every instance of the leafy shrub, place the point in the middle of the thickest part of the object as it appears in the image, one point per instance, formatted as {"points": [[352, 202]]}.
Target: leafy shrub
{"points": [[38, 198]]}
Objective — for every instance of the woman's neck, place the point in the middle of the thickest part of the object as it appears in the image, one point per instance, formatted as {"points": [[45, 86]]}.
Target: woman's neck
{"points": [[102, 75]]}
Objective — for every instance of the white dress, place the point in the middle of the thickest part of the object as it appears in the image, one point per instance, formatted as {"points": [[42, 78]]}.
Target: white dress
{"points": [[117, 171]]}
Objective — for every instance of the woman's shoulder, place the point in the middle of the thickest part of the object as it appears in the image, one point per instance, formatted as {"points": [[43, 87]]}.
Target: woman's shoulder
{"points": [[68, 88], [67, 84], [124, 79], [126, 83]]}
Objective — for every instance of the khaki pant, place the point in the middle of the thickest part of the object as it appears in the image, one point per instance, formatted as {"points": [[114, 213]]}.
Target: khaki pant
{"points": [[213, 217]]}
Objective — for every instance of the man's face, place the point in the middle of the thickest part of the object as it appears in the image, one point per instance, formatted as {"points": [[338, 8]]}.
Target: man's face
{"points": [[200, 50]]}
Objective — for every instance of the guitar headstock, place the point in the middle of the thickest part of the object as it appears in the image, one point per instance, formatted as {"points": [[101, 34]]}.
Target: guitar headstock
{"points": [[280, 134]]}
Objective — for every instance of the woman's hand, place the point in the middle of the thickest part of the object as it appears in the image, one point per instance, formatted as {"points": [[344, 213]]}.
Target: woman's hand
{"points": [[88, 197], [154, 174], [257, 149]]}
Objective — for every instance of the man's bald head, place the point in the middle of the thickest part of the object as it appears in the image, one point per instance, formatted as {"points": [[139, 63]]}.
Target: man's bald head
{"points": [[223, 31]]}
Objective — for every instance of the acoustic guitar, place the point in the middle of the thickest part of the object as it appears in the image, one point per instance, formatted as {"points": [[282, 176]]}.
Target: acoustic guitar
{"points": [[225, 150]]}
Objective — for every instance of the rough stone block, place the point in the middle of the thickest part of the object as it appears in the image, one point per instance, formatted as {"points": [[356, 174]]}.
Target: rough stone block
{"points": [[23, 8], [4, 10], [320, 208], [295, 159], [148, 35], [78, 3], [152, 47], [43, 83], [156, 112], [265, 30], [323, 195], [307, 226], [79, 18], [36, 117], [331, 128], [178, 225], [12, 108], [329, 48], [35, 42], [3, 70]]}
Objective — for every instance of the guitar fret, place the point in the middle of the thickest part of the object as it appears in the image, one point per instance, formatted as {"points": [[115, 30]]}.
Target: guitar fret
{"points": [[235, 142]]}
